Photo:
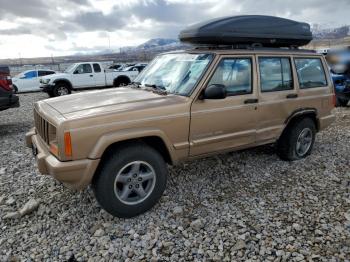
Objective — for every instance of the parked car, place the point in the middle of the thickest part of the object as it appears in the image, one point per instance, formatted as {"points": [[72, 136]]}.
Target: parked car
{"points": [[342, 89], [116, 66], [29, 80], [7, 98], [84, 75], [339, 62], [185, 105], [137, 68]]}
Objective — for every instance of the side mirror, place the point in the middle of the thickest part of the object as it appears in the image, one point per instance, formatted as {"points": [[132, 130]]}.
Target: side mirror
{"points": [[76, 72], [215, 91]]}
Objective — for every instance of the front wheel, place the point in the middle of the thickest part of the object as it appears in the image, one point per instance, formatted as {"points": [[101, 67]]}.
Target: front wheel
{"points": [[297, 140], [61, 90], [131, 180]]}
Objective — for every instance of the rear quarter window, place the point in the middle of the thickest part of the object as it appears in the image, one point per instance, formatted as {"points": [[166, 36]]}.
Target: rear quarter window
{"points": [[310, 72]]}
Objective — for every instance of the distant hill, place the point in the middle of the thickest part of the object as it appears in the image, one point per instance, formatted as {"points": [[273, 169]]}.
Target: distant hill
{"points": [[321, 32]]}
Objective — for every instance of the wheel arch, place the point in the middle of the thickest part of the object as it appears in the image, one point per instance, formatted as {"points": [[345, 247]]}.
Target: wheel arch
{"points": [[154, 138], [299, 114], [63, 80], [121, 78]]}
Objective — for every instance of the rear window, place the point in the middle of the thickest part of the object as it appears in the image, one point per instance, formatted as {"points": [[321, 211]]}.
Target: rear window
{"points": [[310, 72]]}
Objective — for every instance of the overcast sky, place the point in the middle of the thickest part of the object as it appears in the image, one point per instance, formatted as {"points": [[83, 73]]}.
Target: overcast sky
{"points": [[32, 28]]}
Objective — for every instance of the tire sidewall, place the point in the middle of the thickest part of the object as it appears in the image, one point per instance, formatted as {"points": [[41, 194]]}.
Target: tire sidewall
{"points": [[296, 131], [55, 90], [104, 184]]}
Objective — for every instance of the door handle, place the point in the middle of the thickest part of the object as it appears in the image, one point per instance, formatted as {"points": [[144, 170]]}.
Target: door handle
{"points": [[292, 96], [91, 75], [251, 101]]}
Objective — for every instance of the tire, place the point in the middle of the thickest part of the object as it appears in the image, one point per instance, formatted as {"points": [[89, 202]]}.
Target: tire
{"points": [[61, 89], [341, 102], [112, 180], [297, 140], [119, 82], [51, 94]]}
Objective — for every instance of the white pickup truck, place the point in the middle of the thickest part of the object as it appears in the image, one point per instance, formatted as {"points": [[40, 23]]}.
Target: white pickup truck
{"points": [[84, 75]]}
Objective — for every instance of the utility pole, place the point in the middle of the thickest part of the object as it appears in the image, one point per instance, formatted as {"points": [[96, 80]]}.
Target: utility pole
{"points": [[20, 59]]}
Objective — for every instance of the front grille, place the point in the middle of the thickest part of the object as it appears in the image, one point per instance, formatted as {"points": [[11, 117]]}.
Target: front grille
{"points": [[42, 127]]}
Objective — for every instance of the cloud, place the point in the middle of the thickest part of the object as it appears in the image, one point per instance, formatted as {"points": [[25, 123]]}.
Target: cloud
{"points": [[65, 22]]}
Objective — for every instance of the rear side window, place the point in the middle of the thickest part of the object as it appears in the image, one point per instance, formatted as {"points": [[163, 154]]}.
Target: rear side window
{"points": [[45, 73], [235, 74], [275, 74], [97, 68], [310, 72]]}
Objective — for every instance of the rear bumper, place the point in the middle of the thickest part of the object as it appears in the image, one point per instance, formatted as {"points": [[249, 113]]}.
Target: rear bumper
{"points": [[75, 174], [326, 121]]}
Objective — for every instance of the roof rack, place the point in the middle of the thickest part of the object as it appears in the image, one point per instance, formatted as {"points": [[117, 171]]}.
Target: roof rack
{"points": [[256, 46]]}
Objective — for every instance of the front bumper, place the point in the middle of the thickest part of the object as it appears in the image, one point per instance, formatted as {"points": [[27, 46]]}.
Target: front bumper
{"points": [[75, 174], [47, 87], [10, 102]]}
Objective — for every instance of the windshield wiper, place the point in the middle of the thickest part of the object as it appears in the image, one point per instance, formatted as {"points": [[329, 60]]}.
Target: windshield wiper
{"points": [[158, 89], [136, 84]]}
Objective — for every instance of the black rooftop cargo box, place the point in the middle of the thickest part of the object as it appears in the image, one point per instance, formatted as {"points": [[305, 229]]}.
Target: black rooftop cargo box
{"points": [[267, 31]]}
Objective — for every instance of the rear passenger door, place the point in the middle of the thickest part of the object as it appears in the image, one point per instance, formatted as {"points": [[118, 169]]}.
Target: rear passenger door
{"points": [[99, 75], [278, 96], [224, 124]]}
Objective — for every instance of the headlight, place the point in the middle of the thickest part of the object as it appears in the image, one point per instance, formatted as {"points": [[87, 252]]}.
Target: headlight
{"points": [[45, 81]]}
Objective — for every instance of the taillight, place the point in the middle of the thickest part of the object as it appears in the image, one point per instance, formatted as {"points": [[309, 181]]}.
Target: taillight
{"points": [[334, 100], [6, 83]]}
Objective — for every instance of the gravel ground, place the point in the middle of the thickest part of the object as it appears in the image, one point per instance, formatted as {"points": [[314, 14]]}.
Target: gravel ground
{"points": [[246, 205]]}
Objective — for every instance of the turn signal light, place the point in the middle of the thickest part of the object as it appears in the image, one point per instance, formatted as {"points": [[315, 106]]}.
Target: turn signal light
{"points": [[67, 144]]}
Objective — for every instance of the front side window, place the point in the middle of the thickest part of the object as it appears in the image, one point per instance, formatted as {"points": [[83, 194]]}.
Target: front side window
{"points": [[176, 73], [235, 74], [275, 74], [83, 69], [97, 68], [310, 72]]}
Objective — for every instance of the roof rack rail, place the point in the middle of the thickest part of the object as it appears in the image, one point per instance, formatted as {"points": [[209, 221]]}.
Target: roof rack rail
{"points": [[256, 46]]}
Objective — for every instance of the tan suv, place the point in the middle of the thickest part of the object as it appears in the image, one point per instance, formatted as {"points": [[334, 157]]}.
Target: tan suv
{"points": [[183, 106]]}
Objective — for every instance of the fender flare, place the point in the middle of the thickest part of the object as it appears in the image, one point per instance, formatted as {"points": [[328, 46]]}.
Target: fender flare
{"points": [[130, 134], [121, 76], [300, 112], [63, 80]]}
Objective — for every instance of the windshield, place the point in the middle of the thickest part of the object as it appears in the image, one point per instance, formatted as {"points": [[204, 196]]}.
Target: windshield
{"points": [[70, 69], [175, 73]]}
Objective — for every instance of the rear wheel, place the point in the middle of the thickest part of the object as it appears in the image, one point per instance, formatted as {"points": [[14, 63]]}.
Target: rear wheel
{"points": [[131, 180], [61, 90], [297, 140], [123, 81]]}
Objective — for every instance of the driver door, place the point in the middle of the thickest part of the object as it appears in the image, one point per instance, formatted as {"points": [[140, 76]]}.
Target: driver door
{"points": [[83, 76], [229, 123]]}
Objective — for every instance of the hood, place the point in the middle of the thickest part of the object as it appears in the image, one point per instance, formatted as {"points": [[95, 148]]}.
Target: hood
{"points": [[110, 100], [56, 75]]}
